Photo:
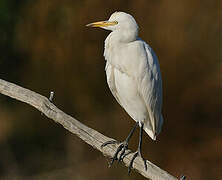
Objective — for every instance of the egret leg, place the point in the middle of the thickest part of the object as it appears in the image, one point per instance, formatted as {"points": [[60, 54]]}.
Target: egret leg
{"points": [[123, 145], [138, 152]]}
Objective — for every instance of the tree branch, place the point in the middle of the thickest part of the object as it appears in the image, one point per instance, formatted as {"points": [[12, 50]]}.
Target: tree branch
{"points": [[89, 135]]}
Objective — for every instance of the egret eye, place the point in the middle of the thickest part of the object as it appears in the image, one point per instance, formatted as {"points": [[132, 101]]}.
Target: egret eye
{"points": [[116, 22]]}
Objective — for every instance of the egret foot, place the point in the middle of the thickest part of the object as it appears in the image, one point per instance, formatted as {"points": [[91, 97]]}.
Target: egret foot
{"points": [[136, 154], [122, 147]]}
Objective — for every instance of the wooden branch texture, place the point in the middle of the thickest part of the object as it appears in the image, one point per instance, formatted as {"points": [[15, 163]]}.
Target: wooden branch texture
{"points": [[89, 135]]}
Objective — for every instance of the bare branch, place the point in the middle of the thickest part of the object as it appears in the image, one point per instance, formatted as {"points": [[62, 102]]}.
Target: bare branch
{"points": [[89, 135]]}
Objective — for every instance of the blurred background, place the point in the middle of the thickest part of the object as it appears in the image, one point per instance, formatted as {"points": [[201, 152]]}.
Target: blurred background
{"points": [[45, 47]]}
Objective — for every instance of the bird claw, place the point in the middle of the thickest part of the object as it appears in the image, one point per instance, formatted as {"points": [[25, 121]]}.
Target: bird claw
{"points": [[108, 142], [122, 147], [122, 154], [137, 153]]}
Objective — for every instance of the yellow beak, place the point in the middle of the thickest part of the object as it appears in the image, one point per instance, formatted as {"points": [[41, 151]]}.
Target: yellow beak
{"points": [[102, 24]]}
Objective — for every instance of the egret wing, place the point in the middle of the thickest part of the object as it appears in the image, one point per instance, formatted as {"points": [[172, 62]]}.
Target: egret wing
{"points": [[151, 90]]}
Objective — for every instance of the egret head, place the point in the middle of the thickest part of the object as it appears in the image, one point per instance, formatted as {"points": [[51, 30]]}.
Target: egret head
{"points": [[118, 21]]}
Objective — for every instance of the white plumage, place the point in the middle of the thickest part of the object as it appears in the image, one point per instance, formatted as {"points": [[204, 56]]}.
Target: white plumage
{"points": [[133, 72]]}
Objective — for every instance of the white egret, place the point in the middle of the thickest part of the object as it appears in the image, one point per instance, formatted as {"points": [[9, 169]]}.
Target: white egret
{"points": [[134, 78]]}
